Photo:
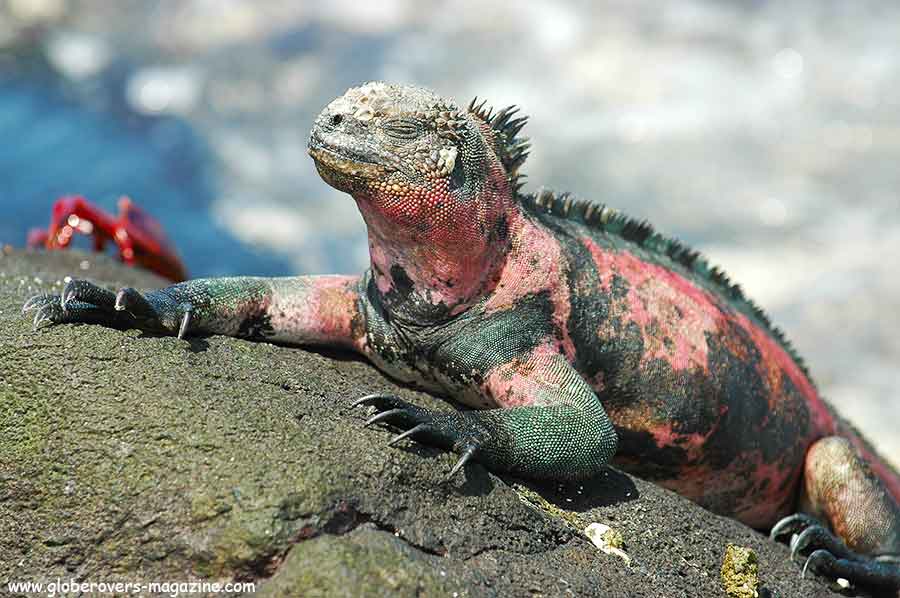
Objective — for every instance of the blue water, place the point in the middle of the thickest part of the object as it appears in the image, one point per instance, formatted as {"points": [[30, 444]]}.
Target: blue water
{"points": [[56, 143]]}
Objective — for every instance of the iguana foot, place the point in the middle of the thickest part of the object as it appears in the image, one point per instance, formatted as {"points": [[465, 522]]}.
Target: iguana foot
{"points": [[829, 557], [85, 302], [49, 309], [422, 424]]}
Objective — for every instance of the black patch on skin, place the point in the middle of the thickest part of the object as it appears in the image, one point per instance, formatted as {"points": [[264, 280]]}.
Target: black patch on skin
{"points": [[638, 451], [403, 285], [379, 336], [403, 304], [458, 176], [741, 436], [589, 310], [358, 322], [618, 287], [469, 343], [749, 424], [474, 158], [256, 327], [500, 231]]}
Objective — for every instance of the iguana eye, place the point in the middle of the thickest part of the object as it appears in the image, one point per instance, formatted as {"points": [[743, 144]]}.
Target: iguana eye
{"points": [[402, 128]]}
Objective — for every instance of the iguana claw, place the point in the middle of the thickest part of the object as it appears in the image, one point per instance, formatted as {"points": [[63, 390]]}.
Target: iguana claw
{"points": [[792, 524], [42, 315], [382, 416], [185, 320], [411, 432], [34, 302], [467, 454], [380, 400]]}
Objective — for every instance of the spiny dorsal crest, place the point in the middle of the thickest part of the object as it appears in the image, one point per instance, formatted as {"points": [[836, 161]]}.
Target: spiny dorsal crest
{"points": [[511, 149]]}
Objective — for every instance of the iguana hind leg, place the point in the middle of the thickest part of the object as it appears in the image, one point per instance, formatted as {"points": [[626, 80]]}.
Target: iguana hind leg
{"points": [[840, 490]]}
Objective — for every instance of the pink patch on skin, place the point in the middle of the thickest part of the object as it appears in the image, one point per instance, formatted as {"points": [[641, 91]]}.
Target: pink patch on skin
{"points": [[639, 313], [679, 309], [322, 314], [524, 274], [692, 443], [521, 382], [451, 249]]}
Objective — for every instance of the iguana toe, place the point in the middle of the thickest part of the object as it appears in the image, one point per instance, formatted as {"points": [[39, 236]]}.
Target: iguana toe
{"points": [[817, 537], [870, 572], [792, 524], [394, 411], [128, 299], [36, 301], [411, 432], [86, 292], [428, 427]]}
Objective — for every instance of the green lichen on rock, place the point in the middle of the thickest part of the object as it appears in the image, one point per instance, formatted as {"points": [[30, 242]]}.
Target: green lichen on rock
{"points": [[740, 572], [530, 497]]}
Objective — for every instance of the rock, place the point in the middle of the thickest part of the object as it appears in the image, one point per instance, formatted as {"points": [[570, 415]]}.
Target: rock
{"points": [[125, 455]]}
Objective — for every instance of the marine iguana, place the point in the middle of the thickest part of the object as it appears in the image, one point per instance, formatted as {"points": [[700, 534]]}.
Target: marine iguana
{"points": [[577, 335]]}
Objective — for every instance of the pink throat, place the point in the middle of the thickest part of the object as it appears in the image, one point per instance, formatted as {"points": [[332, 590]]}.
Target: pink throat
{"points": [[441, 253]]}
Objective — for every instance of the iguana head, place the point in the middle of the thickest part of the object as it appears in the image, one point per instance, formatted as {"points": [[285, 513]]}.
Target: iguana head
{"points": [[435, 184]]}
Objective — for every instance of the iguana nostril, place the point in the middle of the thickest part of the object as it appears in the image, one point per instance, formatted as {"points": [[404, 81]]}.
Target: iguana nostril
{"points": [[336, 120]]}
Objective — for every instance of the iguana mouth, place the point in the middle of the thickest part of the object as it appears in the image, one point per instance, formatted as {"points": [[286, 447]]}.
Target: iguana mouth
{"points": [[348, 166], [344, 155], [343, 159]]}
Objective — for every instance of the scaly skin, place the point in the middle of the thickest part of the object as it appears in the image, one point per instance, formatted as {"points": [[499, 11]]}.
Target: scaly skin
{"points": [[579, 336]]}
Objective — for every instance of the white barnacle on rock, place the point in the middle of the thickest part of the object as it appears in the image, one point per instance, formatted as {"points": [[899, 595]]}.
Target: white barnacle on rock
{"points": [[447, 160], [607, 539]]}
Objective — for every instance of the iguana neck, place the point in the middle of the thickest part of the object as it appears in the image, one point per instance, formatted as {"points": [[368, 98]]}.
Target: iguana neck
{"points": [[433, 271]]}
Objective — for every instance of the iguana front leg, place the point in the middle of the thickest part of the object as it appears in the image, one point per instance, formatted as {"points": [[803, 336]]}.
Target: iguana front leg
{"points": [[296, 310], [550, 424]]}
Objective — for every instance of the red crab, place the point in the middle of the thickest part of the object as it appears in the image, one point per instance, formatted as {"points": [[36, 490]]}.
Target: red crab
{"points": [[139, 237]]}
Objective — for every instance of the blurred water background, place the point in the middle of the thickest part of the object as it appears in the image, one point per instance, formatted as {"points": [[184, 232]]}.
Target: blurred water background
{"points": [[766, 134]]}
